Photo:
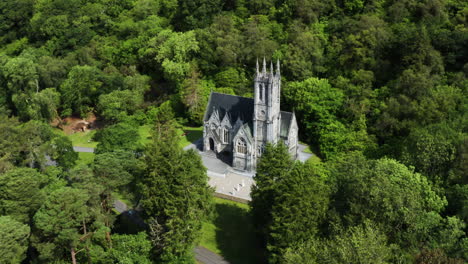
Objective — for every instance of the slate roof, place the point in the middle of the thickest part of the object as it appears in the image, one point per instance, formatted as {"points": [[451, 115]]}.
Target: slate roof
{"points": [[285, 124], [236, 106], [243, 108]]}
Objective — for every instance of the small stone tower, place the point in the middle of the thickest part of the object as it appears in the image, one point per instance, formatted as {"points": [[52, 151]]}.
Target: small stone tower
{"points": [[266, 119]]}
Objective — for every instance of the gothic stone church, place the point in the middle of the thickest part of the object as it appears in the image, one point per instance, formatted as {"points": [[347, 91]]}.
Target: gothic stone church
{"points": [[237, 128]]}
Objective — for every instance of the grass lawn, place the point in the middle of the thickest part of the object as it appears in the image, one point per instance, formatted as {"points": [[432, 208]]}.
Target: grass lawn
{"points": [[80, 139], [83, 139], [187, 134], [307, 149], [230, 233], [85, 158]]}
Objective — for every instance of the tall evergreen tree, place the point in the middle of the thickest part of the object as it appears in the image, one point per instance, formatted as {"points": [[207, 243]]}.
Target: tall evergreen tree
{"points": [[299, 208], [289, 200], [175, 196], [13, 240], [64, 225], [20, 194], [272, 169]]}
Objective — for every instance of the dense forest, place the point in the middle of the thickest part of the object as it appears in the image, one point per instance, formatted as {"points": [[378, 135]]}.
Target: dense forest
{"points": [[379, 87]]}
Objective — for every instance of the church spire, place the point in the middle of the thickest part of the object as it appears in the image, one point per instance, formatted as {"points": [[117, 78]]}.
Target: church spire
{"points": [[264, 66]]}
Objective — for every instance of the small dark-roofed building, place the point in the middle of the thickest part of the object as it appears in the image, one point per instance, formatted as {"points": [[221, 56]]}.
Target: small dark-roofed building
{"points": [[237, 128]]}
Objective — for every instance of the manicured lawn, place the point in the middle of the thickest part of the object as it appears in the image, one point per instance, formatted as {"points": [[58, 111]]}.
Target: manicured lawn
{"points": [[187, 134], [230, 233], [85, 158], [80, 139], [83, 139]]}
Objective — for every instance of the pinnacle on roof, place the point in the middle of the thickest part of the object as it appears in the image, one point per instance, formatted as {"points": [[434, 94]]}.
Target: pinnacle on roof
{"points": [[257, 66], [277, 67], [264, 66]]}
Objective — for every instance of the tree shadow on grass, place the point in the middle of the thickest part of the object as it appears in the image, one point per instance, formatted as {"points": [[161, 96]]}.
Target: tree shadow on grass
{"points": [[235, 235], [193, 134]]}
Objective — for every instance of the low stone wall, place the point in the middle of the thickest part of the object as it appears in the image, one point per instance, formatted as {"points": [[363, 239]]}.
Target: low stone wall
{"points": [[231, 198]]}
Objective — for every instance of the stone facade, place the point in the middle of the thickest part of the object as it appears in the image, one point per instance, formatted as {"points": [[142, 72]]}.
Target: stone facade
{"points": [[237, 128]]}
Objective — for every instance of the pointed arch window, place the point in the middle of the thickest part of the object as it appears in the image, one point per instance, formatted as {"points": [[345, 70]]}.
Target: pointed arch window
{"points": [[262, 95], [225, 135], [241, 146]]}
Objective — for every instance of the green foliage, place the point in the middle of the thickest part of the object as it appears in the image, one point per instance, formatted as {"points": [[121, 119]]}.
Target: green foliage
{"points": [[314, 98], [388, 193], [130, 249], [60, 222], [194, 95], [161, 114], [385, 78], [117, 105], [20, 193], [235, 79], [304, 55], [359, 244], [317, 102], [175, 196], [80, 89], [14, 19], [34, 139], [289, 200], [274, 166], [20, 74], [121, 136], [430, 150], [299, 208], [9, 145], [61, 150], [196, 14], [174, 51], [13, 240]]}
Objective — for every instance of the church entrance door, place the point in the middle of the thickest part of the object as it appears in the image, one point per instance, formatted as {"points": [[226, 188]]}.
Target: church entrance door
{"points": [[211, 144]]}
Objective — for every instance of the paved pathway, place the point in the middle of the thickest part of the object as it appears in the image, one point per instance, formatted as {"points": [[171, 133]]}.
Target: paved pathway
{"points": [[83, 149], [303, 156], [207, 256]]}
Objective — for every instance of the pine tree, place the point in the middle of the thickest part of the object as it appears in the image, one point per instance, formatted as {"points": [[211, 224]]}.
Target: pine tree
{"points": [[289, 200], [298, 209], [272, 168], [175, 196]]}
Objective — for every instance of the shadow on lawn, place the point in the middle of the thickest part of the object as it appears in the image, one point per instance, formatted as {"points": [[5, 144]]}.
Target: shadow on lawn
{"points": [[193, 133], [235, 235]]}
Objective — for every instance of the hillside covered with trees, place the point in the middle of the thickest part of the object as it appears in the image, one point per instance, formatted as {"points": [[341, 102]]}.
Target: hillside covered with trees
{"points": [[379, 88]]}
